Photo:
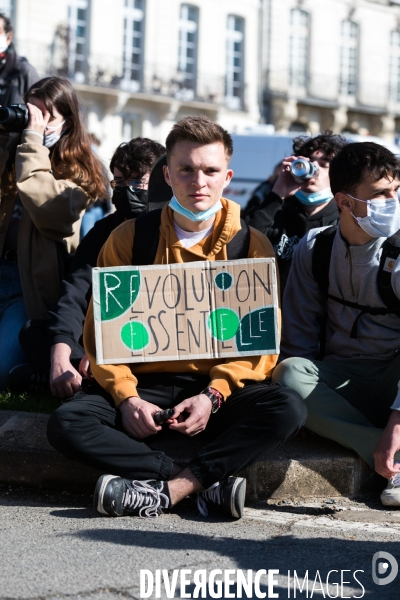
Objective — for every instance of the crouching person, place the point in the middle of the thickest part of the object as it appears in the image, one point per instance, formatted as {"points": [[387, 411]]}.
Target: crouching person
{"points": [[244, 414], [351, 274]]}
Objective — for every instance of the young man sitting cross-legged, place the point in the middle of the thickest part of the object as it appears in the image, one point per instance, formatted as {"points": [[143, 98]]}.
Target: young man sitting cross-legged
{"points": [[108, 429]]}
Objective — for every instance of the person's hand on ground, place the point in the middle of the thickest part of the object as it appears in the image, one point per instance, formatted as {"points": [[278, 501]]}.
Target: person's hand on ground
{"points": [[65, 380], [387, 446], [137, 417], [199, 409]]}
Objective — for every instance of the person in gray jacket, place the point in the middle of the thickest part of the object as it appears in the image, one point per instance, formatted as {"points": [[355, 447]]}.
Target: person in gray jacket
{"points": [[353, 394]]}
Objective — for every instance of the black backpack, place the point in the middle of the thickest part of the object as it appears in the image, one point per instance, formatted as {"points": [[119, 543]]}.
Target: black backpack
{"points": [[147, 233], [320, 267]]}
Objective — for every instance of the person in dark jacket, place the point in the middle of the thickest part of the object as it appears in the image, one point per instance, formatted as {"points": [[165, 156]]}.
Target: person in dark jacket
{"points": [[16, 74], [293, 207], [56, 347]]}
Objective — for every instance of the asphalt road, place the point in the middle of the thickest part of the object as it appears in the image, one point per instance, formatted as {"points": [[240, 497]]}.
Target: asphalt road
{"points": [[54, 546]]}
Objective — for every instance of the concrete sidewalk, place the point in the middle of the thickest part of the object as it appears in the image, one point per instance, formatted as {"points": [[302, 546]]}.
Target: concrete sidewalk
{"points": [[306, 467]]}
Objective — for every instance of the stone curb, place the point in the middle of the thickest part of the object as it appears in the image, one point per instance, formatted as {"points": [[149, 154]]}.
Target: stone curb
{"points": [[305, 467]]}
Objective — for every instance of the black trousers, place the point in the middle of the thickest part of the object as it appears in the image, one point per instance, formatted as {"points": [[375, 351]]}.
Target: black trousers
{"points": [[252, 422]]}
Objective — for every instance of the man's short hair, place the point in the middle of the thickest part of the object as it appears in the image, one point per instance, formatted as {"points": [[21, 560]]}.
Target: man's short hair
{"points": [[328, 142], [137, 156], [199, 129], [359, 160], [8, 28]]}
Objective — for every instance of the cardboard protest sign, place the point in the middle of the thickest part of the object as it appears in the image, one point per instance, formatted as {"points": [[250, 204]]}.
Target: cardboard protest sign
{"points": [[186, 311]]}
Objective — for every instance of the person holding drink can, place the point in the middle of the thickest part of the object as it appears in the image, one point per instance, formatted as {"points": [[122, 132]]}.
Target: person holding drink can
{"points": [[301, 198]]}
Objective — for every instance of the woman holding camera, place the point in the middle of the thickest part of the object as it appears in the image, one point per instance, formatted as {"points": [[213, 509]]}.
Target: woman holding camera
{"points": [[49, 175]]}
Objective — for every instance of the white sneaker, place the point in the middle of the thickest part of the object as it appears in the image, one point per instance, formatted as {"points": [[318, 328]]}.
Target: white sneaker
{"points": [[391, 494]]}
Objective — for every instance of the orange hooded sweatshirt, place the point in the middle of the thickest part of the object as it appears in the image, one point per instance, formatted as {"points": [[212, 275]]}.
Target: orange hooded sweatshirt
{"points": [[226, 375]]}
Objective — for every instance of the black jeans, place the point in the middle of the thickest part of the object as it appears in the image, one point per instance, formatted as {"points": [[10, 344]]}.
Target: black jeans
{"points": [[252, 422]]}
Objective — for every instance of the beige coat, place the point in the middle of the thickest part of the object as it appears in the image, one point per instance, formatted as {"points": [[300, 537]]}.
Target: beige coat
{"points": [[51, 219]]}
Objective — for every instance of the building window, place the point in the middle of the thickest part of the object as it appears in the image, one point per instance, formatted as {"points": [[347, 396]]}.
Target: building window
{"points": [[234, 62], [394, 79], [134, 12], [299, 34], [78, 38], [188, 38], [348, 59]]}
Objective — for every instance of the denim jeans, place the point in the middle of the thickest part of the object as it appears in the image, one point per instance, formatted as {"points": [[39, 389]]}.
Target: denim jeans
{"points": [[12, 318]]}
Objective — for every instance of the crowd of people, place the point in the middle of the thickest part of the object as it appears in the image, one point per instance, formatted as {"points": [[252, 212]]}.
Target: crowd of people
{"points": [[335, 235]]}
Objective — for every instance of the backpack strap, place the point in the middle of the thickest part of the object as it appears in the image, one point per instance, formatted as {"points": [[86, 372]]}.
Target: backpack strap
{"points": [[238, 247], [147, 235], [390, 252], [321, 257]]}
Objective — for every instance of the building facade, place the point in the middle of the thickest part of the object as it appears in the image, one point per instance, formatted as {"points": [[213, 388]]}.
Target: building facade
{"points": [[332, 64], [140, 65]]}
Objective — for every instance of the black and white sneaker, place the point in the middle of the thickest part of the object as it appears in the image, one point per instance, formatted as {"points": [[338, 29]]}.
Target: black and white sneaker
{"points": [[391, 494], [25, 378], [117, 497], [227, 496]]}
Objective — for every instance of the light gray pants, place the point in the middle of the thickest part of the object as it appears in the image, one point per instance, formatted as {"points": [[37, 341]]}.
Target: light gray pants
{"points": [[348, 400]]}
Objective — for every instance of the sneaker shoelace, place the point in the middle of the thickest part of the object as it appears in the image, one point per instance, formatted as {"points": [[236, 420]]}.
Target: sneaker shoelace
{"points": [[144, 496], [37, 381], [395, 480], [212, 494]]}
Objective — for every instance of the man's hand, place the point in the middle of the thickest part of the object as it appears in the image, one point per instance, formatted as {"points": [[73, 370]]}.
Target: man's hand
{"points": [[387, 446], [286, 185], [65, 381], [137, 417], [199, 409], [37, 120]]}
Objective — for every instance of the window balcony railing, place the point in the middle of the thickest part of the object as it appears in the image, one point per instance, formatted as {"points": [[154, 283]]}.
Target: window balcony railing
{"points": [[113, 72], [330, 89]]}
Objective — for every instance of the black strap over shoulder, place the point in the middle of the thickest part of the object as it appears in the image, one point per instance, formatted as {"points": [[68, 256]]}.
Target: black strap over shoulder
{"points": [[390, 252], [320, 267], [238, 247], [147, 235], [321, 257]]}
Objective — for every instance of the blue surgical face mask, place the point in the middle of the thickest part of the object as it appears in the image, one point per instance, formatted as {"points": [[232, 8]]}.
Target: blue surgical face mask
{"points": [[196, 217], [52, 138], [314, 198], [383, 217]]}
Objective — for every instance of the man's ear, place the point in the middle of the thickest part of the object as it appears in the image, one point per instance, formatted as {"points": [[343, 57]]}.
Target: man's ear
{"points": [[166, 175], [344, 202], [228, 177]]}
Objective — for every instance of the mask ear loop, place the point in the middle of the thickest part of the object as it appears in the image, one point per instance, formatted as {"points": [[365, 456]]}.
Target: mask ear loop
{"points": [[55, 128]]}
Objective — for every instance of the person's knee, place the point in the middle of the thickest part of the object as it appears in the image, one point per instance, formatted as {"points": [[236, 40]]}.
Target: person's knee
{"points": [[295, 408], [60, 427], [290, 372]]}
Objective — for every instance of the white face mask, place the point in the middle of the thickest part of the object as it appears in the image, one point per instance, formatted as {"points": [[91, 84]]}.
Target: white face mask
{"points": [[52, 138], [3, 43], [383, 217]]}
